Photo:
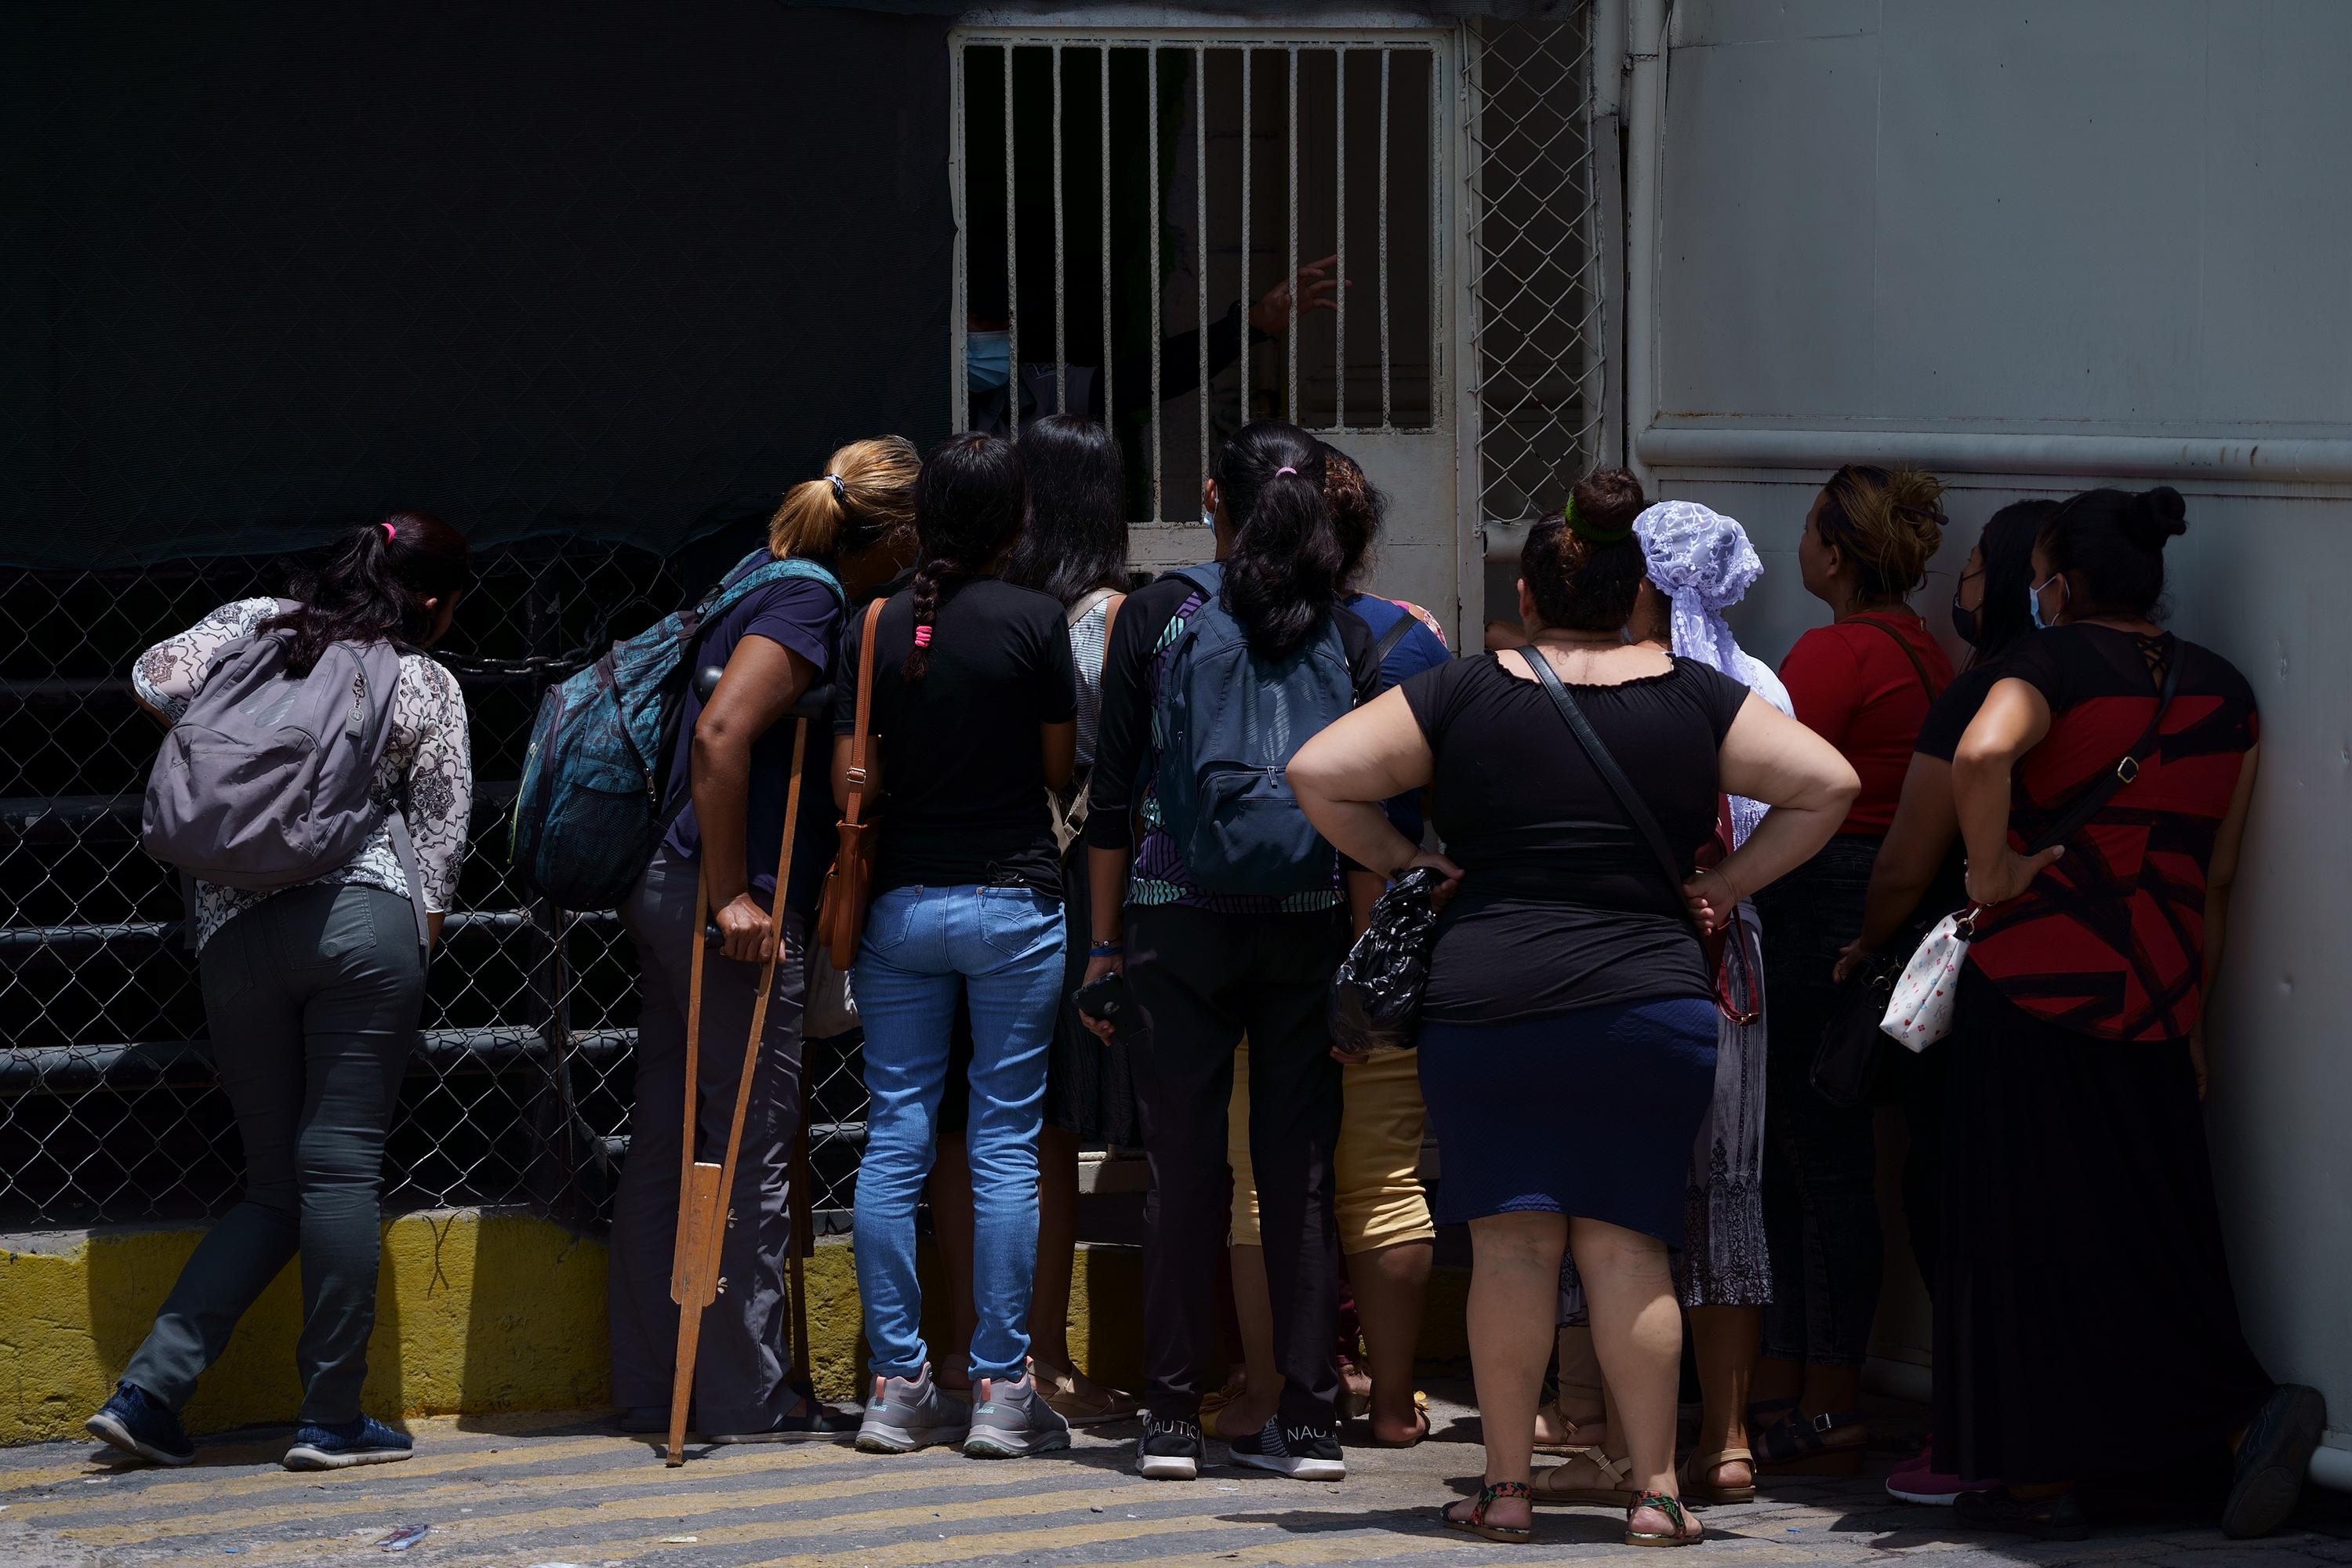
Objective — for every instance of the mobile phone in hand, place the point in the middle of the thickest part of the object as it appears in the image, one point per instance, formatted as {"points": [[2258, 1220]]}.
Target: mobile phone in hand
{"points": [[1108, 1000]]}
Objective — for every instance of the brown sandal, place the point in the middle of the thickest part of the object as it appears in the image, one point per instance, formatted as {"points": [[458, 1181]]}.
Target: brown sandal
{"points": [[1474, 1522], [1544, 1489], [1699, 1468], [1581, 1434]]}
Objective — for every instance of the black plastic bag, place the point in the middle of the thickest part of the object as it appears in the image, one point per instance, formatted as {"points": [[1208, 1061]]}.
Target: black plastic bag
{"points": [[1376, 995]]}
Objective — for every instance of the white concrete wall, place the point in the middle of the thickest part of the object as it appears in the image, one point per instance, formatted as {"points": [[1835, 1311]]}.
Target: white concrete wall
{"points": [[2057, 245]]}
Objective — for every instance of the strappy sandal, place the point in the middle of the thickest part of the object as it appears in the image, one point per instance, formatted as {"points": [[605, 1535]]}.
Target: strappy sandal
{"points": [[1546, 1489], [1699, 1470], [1421, 1423], [1687, 1531], [1474, 1522], [1581, 1436], [1832, 1443]]}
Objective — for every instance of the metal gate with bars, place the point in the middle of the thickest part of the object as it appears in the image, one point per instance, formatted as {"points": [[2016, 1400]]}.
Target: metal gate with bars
{"points": [[1465, 377]]}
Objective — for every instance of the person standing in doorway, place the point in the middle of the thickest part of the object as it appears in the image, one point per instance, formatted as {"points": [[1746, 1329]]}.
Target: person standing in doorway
{"points": [[312, 994]]}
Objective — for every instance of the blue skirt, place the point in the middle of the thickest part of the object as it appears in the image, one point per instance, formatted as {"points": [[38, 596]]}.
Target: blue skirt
{"points": [[1590, 1114]]}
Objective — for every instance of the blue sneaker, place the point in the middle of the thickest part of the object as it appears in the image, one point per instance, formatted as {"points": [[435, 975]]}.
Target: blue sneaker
{"points": [[137, 1423], [366, 1441]]}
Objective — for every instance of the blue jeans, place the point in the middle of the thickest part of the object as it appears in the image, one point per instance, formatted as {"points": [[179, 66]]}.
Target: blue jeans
{"points": [[1003, 947]]}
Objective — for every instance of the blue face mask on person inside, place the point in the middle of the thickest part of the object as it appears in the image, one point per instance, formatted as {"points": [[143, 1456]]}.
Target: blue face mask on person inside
{"points": [[988, 360], [2033, 599]]}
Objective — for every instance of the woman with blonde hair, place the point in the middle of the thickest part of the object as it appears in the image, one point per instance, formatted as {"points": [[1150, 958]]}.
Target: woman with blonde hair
{"points": [[844, 533], [1864, 683]]}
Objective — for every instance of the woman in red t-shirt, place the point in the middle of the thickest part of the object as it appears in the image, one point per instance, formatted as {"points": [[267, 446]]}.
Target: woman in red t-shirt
{"points": [[2092, 1329], [1864, 683]]}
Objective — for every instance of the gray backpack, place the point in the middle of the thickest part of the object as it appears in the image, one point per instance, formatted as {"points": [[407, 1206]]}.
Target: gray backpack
{"points": [[267, 781]]}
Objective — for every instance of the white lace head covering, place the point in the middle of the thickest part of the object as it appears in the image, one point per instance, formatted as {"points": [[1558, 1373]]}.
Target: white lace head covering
{"points": [[1703, 559]]}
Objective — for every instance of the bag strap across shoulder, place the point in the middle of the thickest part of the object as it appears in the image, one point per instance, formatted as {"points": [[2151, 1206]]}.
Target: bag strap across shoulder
{"points": [[2087, 805], [1669, 864], [1393, 635], [1918, 664], [864, 734]]}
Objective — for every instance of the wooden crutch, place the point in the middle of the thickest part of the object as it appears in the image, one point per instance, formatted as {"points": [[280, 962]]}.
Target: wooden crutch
{"points": [[703, 1187]]}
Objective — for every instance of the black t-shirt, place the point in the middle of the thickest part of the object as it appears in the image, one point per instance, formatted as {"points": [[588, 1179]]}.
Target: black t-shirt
{"points": [[1950, 716], [960, 756], [1562, 904], [804, 617]]}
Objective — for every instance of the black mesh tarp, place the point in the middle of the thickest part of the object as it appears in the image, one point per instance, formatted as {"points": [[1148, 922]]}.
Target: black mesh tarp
{"points": [[606, 267]]}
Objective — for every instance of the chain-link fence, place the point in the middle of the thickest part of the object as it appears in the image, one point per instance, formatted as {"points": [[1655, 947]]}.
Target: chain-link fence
{"points": [[520, 1089]]}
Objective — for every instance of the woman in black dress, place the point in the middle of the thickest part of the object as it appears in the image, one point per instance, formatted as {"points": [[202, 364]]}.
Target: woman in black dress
{"points": [[1569, 1033]]}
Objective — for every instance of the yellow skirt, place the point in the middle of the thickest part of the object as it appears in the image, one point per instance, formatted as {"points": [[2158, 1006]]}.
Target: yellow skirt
{"points": [[1379, 1197]]}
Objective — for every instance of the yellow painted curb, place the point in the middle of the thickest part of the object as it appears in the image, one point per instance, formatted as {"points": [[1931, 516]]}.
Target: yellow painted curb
{"points": [[477, 1312]]}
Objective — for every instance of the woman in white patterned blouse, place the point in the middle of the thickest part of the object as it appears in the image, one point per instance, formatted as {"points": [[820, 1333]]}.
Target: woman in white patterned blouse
{"points": [[312, 994]]}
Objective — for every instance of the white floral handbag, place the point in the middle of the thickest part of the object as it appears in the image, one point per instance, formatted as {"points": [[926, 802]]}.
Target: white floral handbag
{"points": [[1919, 1011]]}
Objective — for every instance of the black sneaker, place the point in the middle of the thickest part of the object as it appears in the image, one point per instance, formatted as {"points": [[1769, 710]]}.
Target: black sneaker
{"points": [[136, 1423], [1308, 1453], [363, 1440], [2273, 1460], [1169, 1449]]}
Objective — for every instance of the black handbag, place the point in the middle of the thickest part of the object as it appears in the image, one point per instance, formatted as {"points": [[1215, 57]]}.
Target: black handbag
{"points": [[1845, 1063], [1375, 1003]]}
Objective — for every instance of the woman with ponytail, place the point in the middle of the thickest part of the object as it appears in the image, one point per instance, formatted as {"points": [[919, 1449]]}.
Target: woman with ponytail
{"points": [[2068, 1351], [844, 533], [973, 721], [1208, 966], [311, 997]]}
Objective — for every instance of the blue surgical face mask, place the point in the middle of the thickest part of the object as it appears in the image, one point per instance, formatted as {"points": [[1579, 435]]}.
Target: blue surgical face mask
{"points": [[988, 360], [2034, 598]]}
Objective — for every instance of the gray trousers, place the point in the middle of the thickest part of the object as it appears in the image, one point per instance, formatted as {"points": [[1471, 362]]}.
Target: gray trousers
{"points": [[313, 998], [739, 1378]]}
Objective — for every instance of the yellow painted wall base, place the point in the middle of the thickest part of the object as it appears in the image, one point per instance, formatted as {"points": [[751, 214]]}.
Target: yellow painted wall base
{"points": [[475, 1312]]}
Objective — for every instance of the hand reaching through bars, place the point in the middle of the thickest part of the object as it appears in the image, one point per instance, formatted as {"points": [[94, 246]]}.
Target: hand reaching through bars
{"points": [[1317, 290]]}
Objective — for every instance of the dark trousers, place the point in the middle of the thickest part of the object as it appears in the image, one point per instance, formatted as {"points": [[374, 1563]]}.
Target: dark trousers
{"points": [[738, 1372], [313, 998], [1207, 980], [1820, 1161]]}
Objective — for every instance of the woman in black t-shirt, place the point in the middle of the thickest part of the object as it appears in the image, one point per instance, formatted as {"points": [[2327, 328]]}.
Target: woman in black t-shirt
{"points": [[974, 710], [1568, 1030]]}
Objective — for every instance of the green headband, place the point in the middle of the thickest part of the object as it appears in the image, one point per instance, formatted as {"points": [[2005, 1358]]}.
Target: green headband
{"points": [[1591, 534]]}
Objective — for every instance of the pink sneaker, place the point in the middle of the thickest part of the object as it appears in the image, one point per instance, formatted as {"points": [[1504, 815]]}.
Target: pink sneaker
{"points": [[1918, 1480]]}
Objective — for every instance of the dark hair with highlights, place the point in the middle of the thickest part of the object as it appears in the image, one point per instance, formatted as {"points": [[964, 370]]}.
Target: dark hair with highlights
{"points": [[1358, 508], [969, 504], [373, 588], [2114, 541], [1888, 522], [1283, 575], [1578, 584], [1076, 539]]}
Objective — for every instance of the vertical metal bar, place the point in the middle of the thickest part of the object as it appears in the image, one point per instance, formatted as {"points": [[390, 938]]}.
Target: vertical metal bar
{"points": [[1339, 229], [1291, 279], [960, 305], [1102, 87], [1387, 417], [1201, 230], [1248, 299], [1436, 227], [1061, 326], [1151, 244], [1012, 266]]}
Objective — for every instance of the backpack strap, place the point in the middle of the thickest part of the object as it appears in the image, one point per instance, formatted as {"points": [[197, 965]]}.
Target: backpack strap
{"points": [[1613, 776], [861, 736], [1393, 635], [1918, 664], [405, 847]]}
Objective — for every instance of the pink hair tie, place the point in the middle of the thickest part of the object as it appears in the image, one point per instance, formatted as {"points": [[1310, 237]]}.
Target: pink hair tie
{"points": [[390, 532], [922, 636], [1286, 469]]}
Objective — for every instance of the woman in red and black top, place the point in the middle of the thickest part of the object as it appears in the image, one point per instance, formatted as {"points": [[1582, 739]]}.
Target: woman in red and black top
{"points": [[1864, 683], [2086, 1326]]}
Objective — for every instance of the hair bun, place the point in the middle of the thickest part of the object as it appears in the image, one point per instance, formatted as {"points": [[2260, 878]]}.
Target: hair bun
{"points": [[2162, 515]]}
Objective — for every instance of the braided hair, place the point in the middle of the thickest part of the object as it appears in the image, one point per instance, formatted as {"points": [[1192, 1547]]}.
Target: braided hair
{"points": [[969, 505]]}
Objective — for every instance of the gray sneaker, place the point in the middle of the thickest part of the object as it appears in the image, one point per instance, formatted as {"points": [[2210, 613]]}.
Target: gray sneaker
{"points": [[1013, 1419], [910, 1413]]}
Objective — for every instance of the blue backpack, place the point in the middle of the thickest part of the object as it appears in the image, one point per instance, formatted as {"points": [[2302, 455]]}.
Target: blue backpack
{"points": [[588, 813], [1226, 724]]}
